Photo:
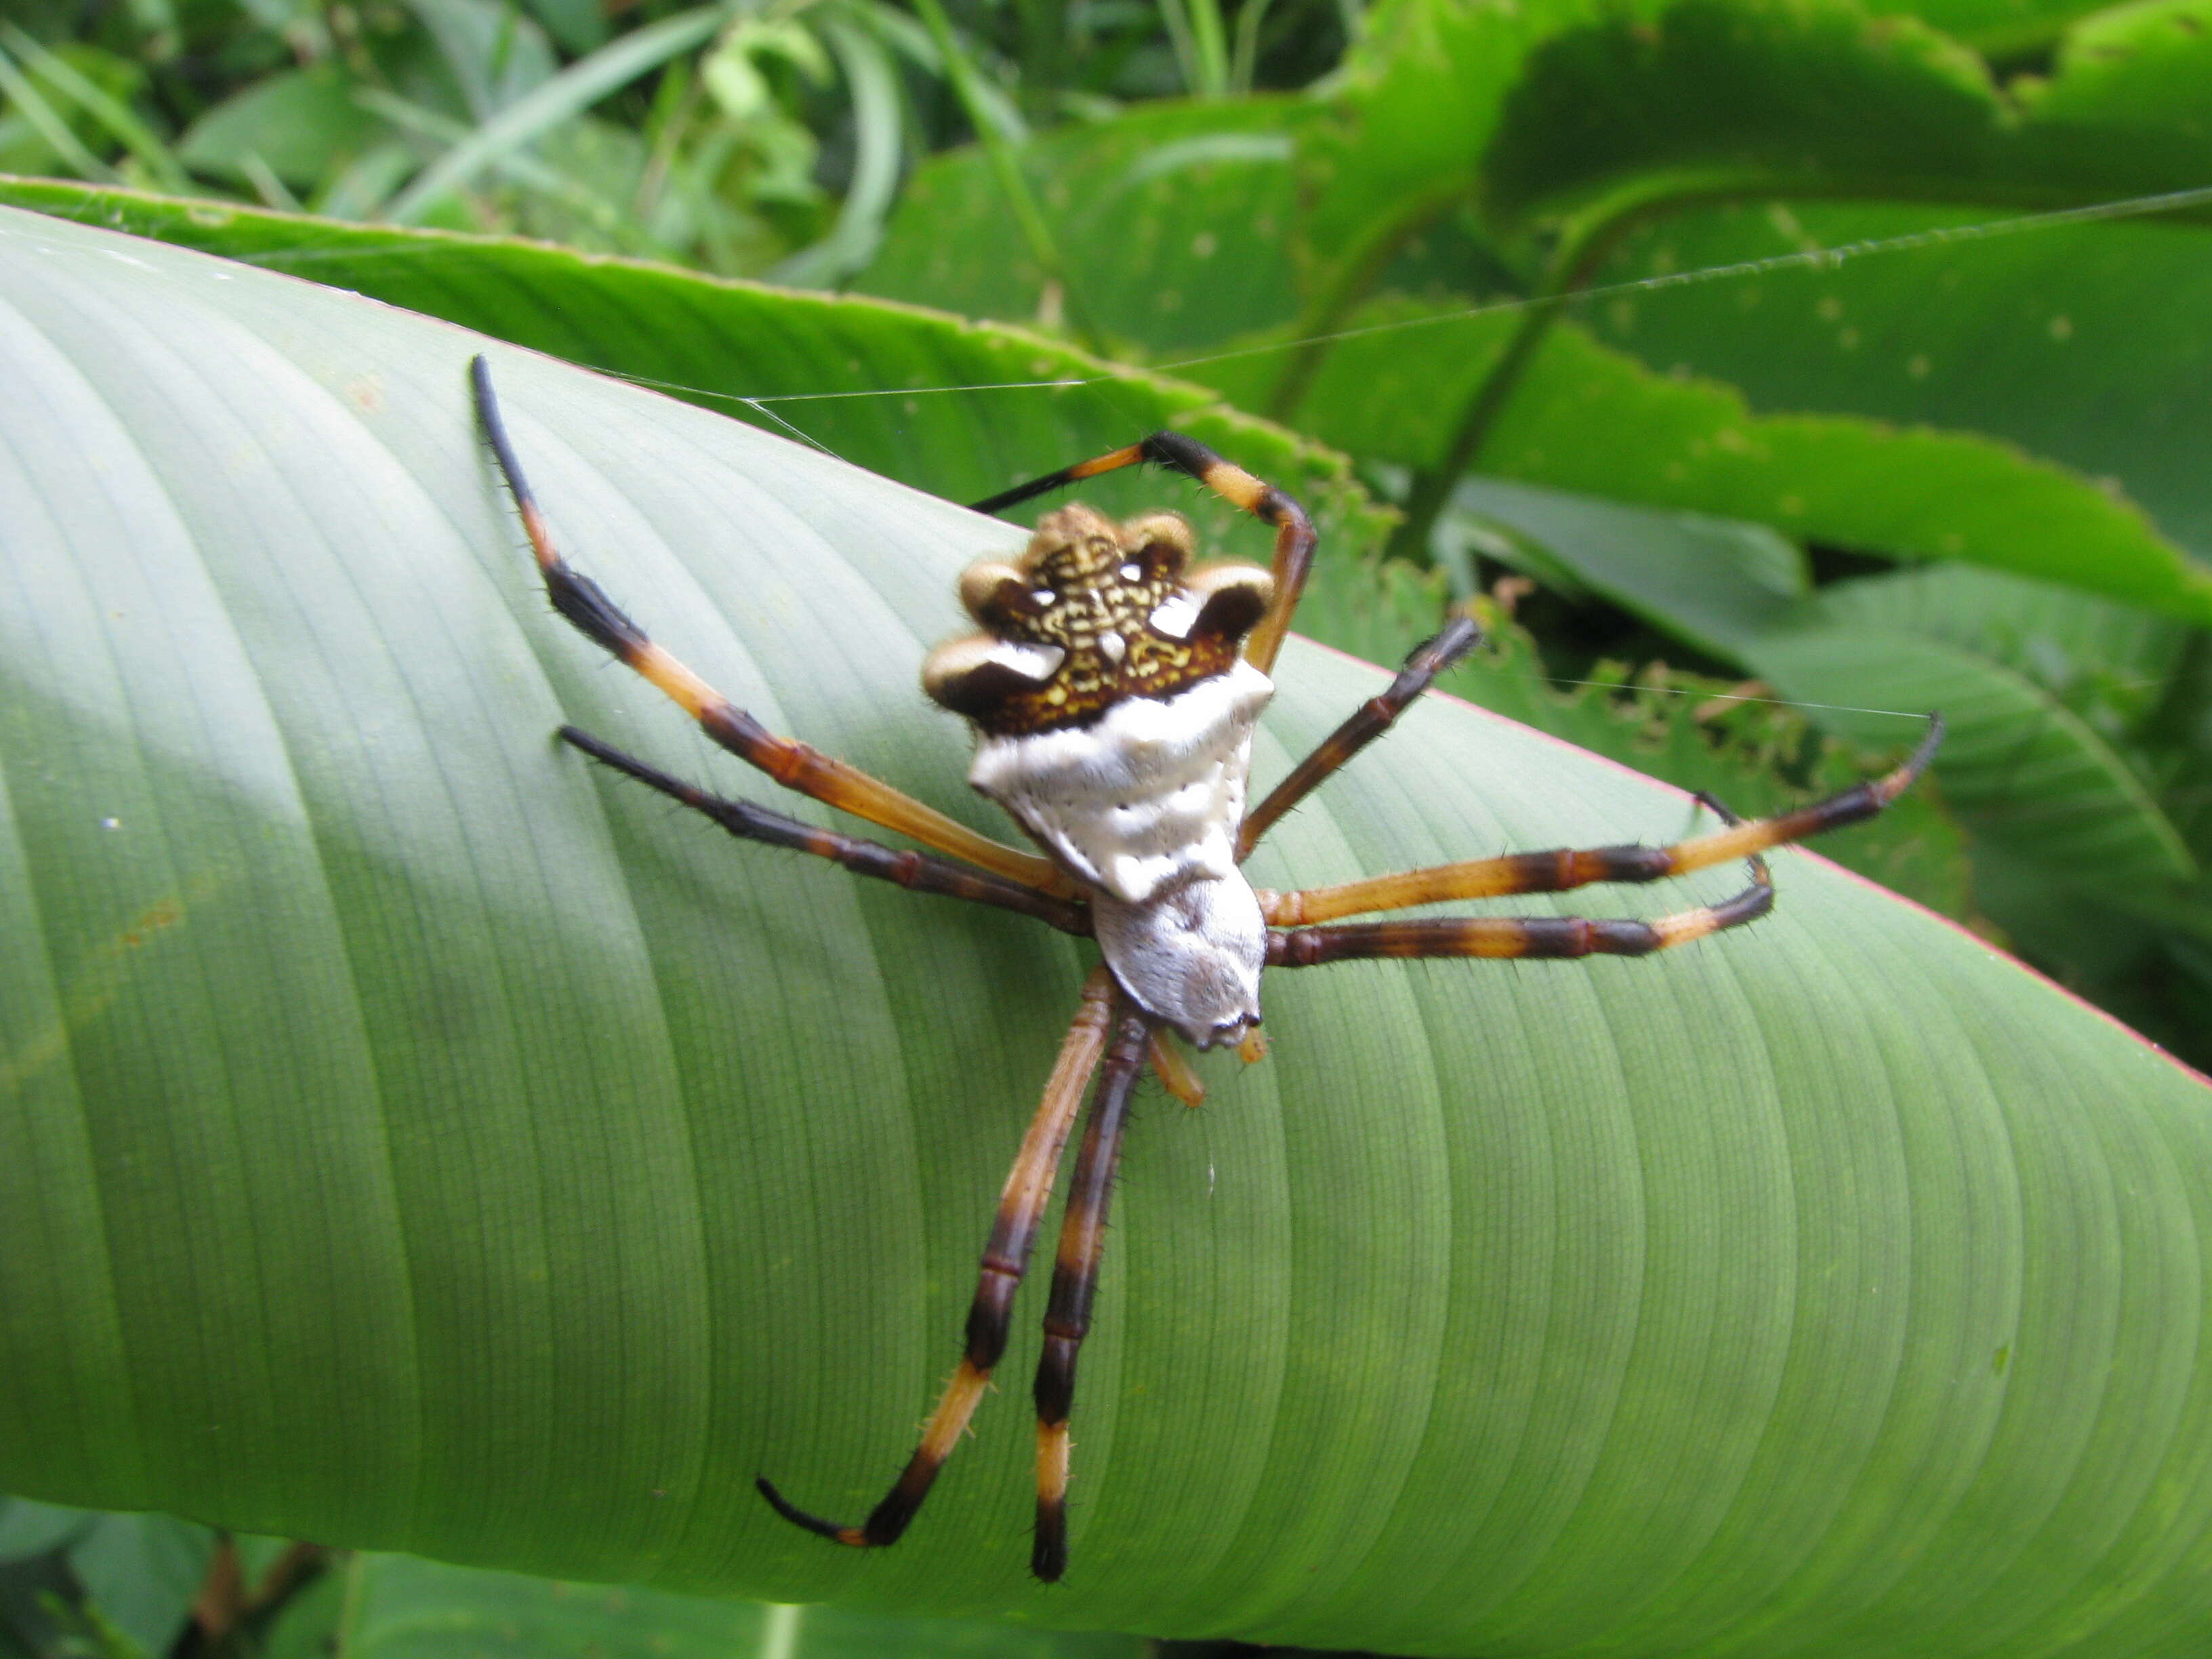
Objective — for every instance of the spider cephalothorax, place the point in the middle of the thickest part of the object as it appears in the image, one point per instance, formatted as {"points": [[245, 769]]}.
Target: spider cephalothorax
{"points": [[1114, 693], [1092, 612]]}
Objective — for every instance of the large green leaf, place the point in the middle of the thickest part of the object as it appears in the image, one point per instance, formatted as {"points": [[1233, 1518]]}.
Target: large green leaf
{"points": [[1586, 418], [1772, 97], [2088, 343], [409, 1139], [866, 381]]}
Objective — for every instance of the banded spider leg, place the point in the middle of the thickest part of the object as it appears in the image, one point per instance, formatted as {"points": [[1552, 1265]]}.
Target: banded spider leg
{"points": [[1005, 1259], [797, 766]]}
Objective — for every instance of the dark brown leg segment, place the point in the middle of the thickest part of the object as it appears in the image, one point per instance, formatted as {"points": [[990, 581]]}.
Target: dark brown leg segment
{"points": [[1375, 717], [1294, 532], [1005, 1258], [1519, 936], [1568, 868], [1075, 1280], [918, 872], [794, 765]]}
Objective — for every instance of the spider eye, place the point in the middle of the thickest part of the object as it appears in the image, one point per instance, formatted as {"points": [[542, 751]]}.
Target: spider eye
{"points": [[1132, 572], [1043, 599]]}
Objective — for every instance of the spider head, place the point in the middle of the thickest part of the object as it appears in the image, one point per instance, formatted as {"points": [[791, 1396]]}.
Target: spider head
{"points": [[1091, 612]]}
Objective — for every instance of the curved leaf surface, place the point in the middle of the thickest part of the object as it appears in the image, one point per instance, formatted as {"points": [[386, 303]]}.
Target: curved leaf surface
{"points": [[409, 1139], [869, 381]]}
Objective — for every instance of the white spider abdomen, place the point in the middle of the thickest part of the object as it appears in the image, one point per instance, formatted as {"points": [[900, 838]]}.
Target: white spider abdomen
{"points": [[1192, 955], [1144, 798], [1143, 805]]}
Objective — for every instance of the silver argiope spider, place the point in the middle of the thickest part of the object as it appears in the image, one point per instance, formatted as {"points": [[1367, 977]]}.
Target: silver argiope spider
{"points": [[1113, 690]]}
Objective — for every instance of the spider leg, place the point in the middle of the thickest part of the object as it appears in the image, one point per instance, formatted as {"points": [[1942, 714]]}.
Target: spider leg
{"points": [[1568, 868], [1075, 1280], [793, 764], [1176, 1075], [920, 873], [1294, 532], [1519, 936], [1005, 1258], [1375, 717]]}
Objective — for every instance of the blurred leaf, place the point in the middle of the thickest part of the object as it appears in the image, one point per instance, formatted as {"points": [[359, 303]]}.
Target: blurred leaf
{"points": [[2110, 663], [581, 26], [566, 95], [2091, 344], [28, 1528], [397, 1607], [2130, 95], [1670, 441], [1777, 97], [414, 1139], [1994, 28], [1810, 91], [2020, 766], [41, 115], [1717, 584], [2019, 763], [302, 122], [873, 82], [140, 1572], [1136, 206], [1751, 753], [102, 108], [496, 54], [1416, 111], [866, 381]]}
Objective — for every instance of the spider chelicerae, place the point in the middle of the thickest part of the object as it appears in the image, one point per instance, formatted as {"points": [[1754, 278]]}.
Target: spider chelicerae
{"points": [[1114, 689]]}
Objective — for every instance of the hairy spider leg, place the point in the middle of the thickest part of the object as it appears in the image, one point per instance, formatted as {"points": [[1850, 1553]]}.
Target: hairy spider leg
{"points": [[918, 872], [1005, 1258], [1294, 532], [797, 766], [1375, 717], [1075, 1282], [1519, 936], [1566, 868]]}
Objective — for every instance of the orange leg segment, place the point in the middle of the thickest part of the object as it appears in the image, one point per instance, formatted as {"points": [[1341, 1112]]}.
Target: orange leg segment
{"points": [[1564, 870], [795, 765], [1006, 1259]]}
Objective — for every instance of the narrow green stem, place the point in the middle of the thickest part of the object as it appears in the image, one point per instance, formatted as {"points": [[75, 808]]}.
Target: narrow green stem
{"points": [[1318, 323], [1580, 253], [1006, 166], [1211, 41]]}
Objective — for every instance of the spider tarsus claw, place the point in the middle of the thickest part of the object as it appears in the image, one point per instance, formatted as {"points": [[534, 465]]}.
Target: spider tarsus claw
{"points": [[1048, 1554], [1716, 806], [799, 1517]]}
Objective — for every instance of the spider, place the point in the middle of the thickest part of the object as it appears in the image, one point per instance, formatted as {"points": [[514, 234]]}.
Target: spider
{"points": [[1112, 689]]}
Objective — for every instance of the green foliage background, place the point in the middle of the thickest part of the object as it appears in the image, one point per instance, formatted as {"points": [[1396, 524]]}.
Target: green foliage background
{"points": [[1848, 355]]}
